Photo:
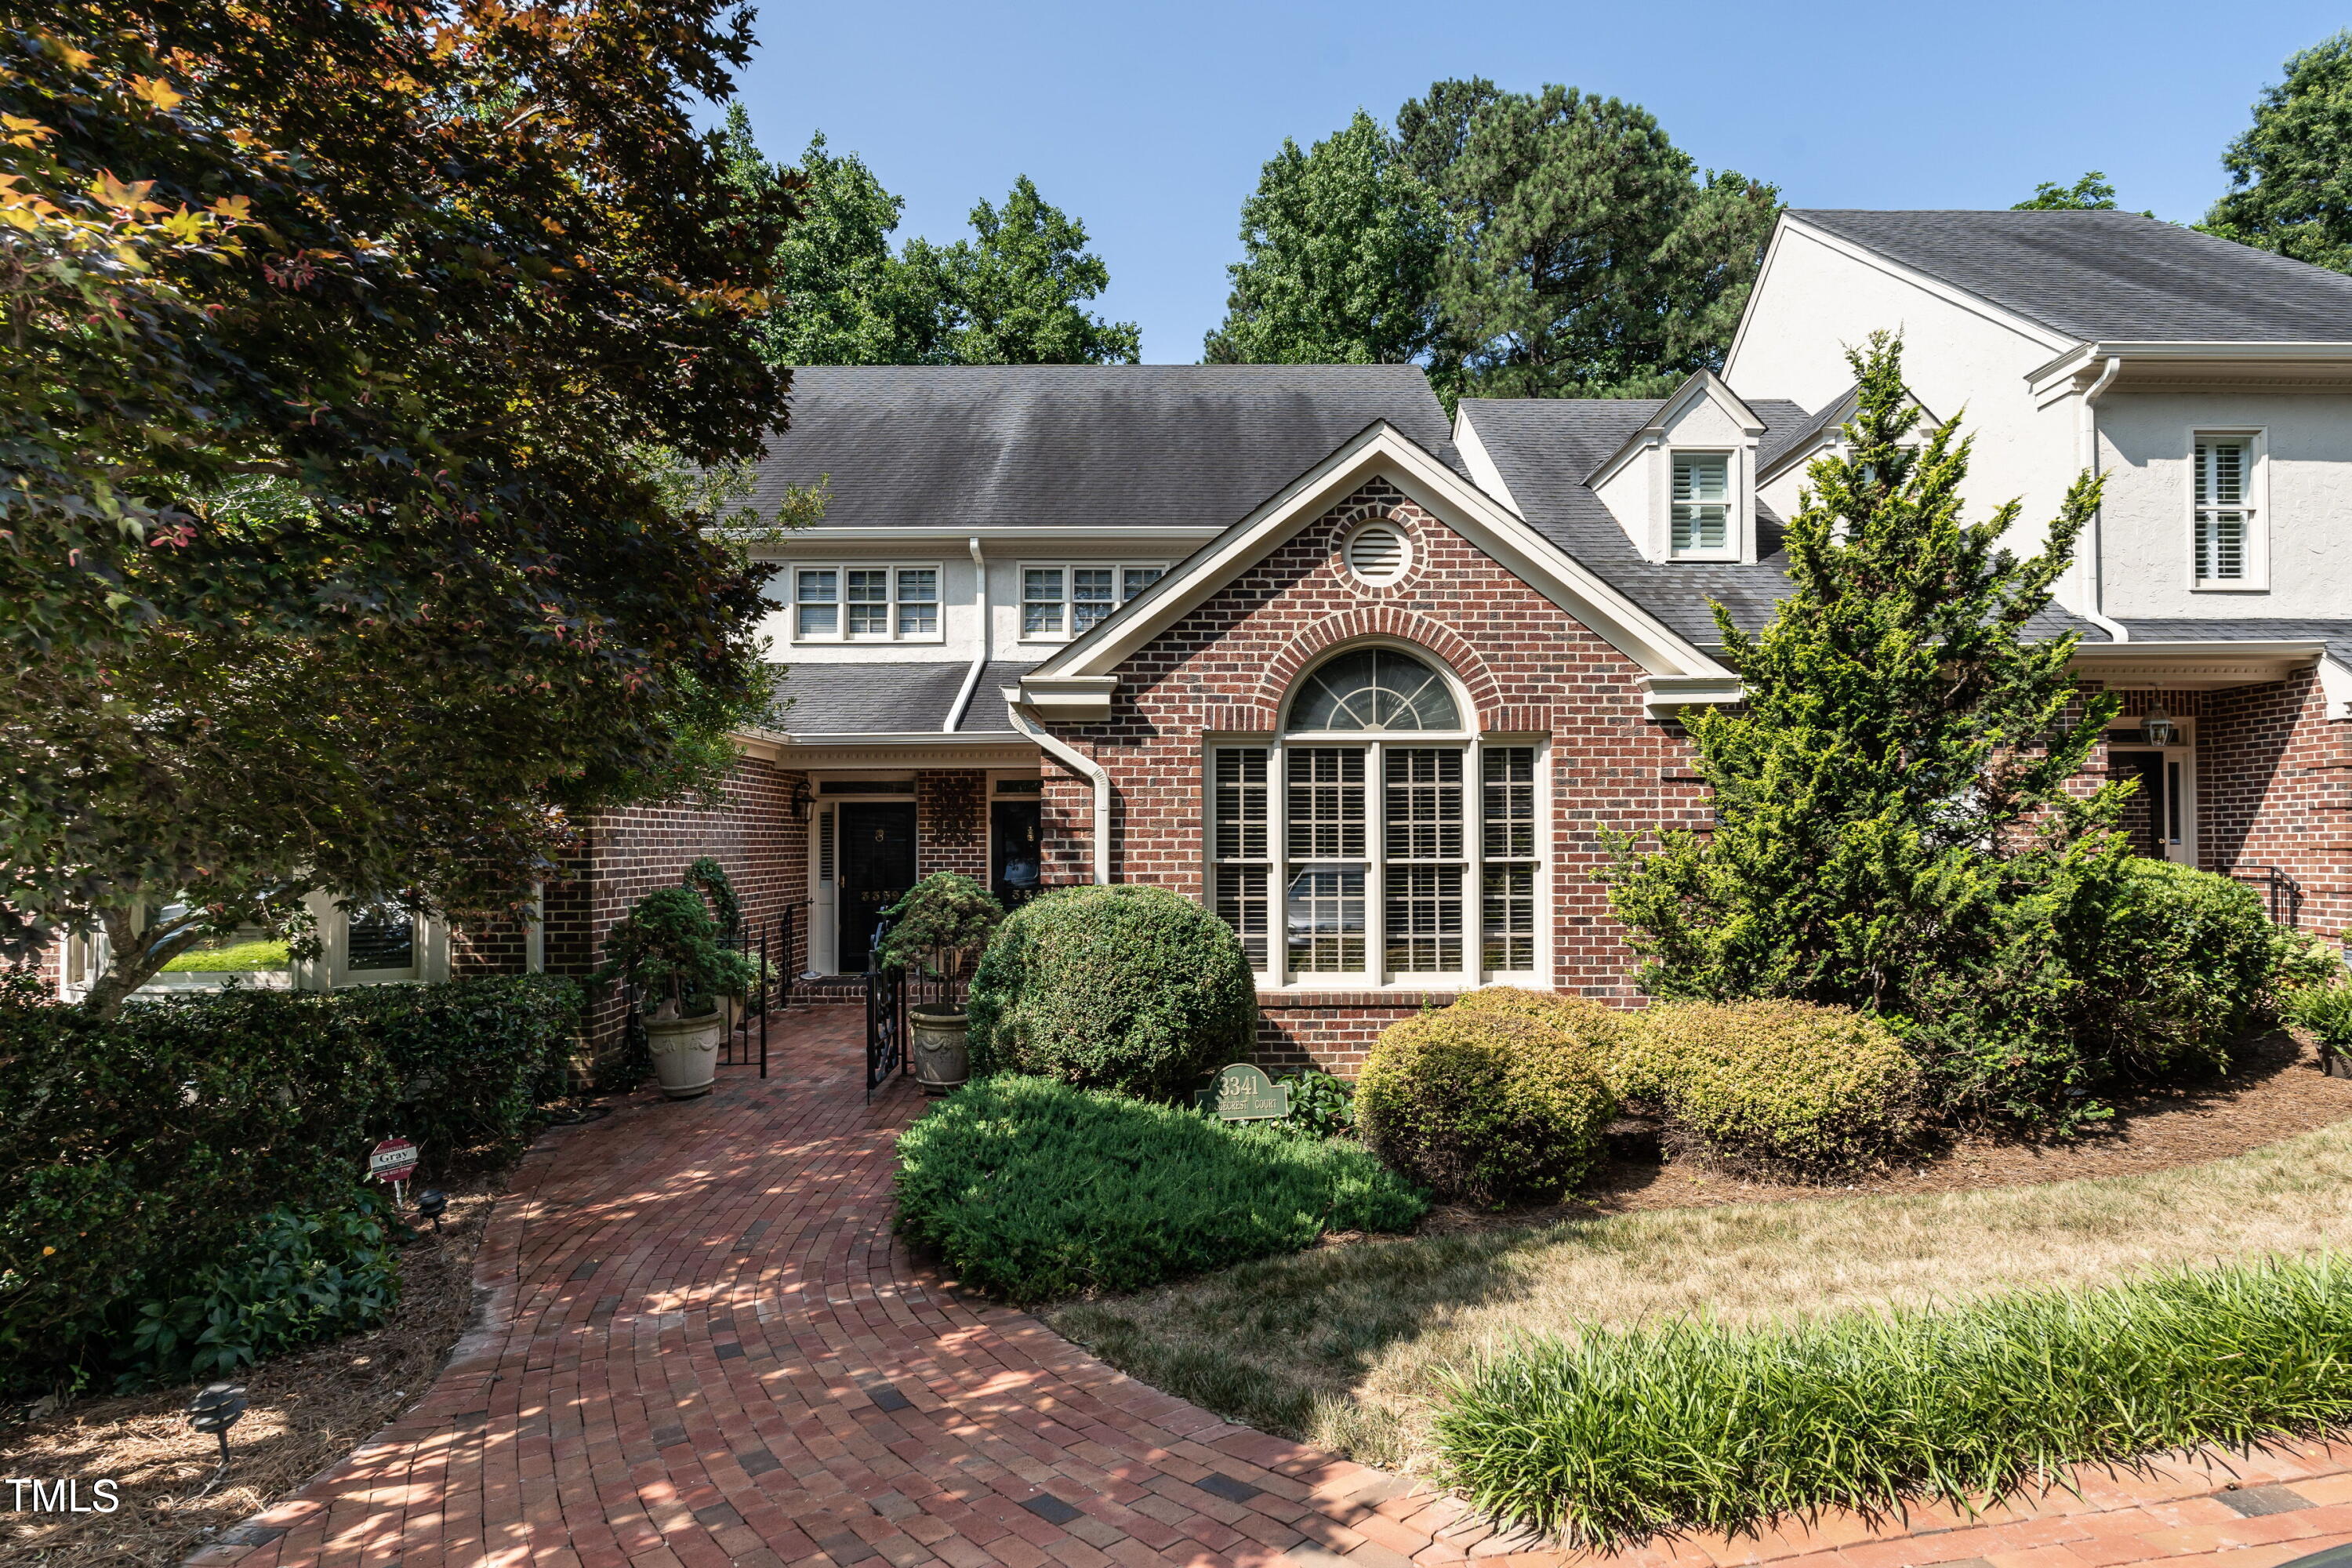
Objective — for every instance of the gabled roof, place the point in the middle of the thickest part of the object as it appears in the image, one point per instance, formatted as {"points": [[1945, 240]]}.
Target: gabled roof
{"points": [[1703, 385], [1542, 448], [1079, 675], [1080, 445], [2108, 275]]}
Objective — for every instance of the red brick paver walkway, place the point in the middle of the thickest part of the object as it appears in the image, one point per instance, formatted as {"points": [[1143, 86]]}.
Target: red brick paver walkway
{"points": [[702, 1348]]}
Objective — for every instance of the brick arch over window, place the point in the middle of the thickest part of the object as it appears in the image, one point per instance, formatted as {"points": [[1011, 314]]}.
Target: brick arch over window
{"points": [[1441, 642]]}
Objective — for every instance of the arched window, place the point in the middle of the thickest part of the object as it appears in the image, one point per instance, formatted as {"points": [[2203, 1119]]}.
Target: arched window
{"points": [[1374, 689], [1376, 842]]}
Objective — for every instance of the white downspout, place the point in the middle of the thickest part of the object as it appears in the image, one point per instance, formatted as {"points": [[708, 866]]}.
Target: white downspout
{"points": [[1026, 721], [2095, 579], [979, 602]]}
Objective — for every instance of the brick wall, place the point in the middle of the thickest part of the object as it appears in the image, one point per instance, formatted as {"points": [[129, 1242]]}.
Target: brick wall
{"points": [[952, 822], [623, 855], [2276, 783], [1527, 666]]}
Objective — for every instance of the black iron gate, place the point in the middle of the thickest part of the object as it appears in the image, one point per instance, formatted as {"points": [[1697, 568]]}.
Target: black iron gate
{"points": [[768, 945], [886, 1016]]}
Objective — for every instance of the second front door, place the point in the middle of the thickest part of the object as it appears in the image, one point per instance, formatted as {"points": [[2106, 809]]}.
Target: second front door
{"points": [[878, 864]]}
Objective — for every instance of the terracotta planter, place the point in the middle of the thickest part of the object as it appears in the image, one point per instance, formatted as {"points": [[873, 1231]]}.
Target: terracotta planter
{"points": [[943, 1048], [686, 1053]]}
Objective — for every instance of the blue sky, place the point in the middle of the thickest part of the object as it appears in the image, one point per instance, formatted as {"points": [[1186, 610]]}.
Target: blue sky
{"points": [[1150, 121]]}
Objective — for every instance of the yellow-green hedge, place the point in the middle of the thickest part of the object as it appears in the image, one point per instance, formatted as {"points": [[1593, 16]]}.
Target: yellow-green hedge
{"points": [[1487, 1103], [1597, 1029], [1785, 1086]]}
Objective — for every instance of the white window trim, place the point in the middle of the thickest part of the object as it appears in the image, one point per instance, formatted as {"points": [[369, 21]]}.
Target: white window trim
{"points": [[2257, 508], [1739, 521], [1276, 976], [840, 635], [1117, 569]]}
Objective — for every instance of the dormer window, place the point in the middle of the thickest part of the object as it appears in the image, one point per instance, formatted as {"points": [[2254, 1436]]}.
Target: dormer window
{"points": [[1700, 514]]}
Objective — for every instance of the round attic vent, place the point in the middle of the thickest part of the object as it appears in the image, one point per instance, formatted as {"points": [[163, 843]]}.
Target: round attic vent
{"points": [[1377, 555]]}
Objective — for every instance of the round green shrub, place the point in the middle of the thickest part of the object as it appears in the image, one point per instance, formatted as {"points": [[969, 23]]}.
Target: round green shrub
{"points": [[1128, 988], [1783, 1087], [2174, 965], [1599, 1028], [1485, 1103]]}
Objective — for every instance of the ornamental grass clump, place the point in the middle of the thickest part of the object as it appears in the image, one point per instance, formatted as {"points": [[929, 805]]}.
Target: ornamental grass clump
{"points": [[1034, 1190], [1488, 1105], [1686, 1425], [1783, 1087], [1127, 987]]}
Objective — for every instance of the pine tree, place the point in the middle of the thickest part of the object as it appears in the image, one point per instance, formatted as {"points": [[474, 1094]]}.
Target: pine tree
{"points": [[1895, 827]]}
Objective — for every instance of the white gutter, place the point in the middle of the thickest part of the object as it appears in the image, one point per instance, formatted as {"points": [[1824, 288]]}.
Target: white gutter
{"points": [[1024, 719], [979, 602], [2095, 580]]}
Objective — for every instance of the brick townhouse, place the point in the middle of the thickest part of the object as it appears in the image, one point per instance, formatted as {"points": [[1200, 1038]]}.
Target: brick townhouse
{"points": [[1370, 683]]}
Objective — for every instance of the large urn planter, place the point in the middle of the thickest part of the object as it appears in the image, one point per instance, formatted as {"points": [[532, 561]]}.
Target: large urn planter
{"points": [[943, 1046], [686, 1053]]}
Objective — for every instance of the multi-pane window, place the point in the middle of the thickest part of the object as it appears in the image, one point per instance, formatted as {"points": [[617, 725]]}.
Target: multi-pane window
{"points": [[1238, 844], [2223, 482], [1508, 891], [864, 604], [1700, 512], [1066, 600], [1423, 823], [1398, 859]]}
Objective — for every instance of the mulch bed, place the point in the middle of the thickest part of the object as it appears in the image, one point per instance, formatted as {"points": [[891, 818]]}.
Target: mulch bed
{"points": [[2274, 1090], [308, 1410]]}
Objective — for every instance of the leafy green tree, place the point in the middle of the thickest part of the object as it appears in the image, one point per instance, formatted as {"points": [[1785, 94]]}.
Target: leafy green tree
{"points": [[2090, 193], [2290, 179], [1585, 254], [841, 295], [1340, 250], [1894, 827], [1013, 294], [352, 351]]}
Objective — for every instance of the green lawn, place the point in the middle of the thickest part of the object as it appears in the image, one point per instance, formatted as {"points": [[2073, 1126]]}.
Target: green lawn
{"points": [[243, 958], [1354, 1348]]}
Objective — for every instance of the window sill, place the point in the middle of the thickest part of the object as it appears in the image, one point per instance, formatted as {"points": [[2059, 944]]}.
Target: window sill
{"points": [[867, 642], [2228, 588], [1438, 990]]}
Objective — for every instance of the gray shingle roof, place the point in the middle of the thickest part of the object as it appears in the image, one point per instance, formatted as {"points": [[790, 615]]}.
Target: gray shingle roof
{"points": [[2110, 274], [894, 698], [1544, 446], [2336, 634], [1082, 446]]}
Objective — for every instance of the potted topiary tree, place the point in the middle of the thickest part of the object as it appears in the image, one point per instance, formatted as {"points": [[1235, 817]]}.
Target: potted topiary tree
{"points": [[669, 948], [938, 929]]}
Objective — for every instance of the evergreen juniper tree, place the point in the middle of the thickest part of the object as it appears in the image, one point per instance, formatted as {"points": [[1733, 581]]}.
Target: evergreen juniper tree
{"points": [[1894, 827]]}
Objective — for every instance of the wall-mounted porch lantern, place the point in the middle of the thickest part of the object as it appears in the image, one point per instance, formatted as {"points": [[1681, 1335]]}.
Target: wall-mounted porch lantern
{"points": [[802, 802]]}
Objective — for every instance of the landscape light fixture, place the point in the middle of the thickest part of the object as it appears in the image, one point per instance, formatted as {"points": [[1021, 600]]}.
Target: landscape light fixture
{"points": [[431, 1204], [2156, 728], [215, 1409]]}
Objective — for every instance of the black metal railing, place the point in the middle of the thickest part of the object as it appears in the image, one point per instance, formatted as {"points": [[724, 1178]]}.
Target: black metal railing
{"points": [[886, 1015], [2282, 892], [768, 946]]}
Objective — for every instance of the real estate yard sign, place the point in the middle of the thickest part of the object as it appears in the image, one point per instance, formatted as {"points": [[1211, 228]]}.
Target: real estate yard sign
{"points": [[1243, 1093], [393, 1161]]}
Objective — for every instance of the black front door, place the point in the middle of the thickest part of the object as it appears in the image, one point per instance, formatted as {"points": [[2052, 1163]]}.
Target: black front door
{"points": [[2155, 815], [878, 864], [1015, 867]]}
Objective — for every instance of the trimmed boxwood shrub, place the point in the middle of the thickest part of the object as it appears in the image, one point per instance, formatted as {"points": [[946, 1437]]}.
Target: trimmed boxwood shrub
{"points": [[1034, 1190], [1784, 1087], [1599, 1028], [1123, 987], [136, 1152], [1486, 1104]]}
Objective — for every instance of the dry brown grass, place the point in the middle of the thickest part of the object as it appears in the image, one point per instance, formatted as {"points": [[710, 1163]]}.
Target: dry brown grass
{"points": [[1348, 1347], [308, 1410]]}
